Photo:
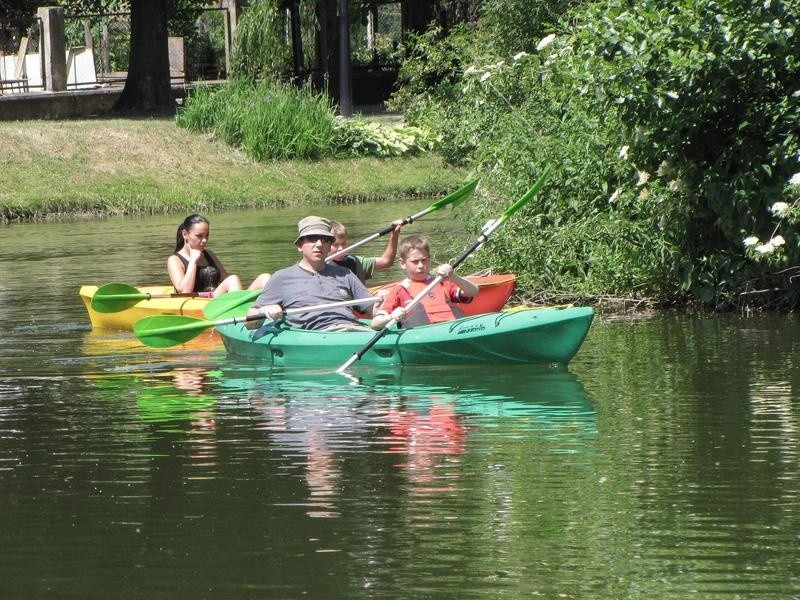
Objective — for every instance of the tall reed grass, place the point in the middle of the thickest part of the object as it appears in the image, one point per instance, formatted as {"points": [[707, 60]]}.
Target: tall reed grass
{"points": [[267, 120]]}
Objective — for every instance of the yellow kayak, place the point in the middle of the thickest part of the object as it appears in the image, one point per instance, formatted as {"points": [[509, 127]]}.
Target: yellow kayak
{"points": [[124, 319]]}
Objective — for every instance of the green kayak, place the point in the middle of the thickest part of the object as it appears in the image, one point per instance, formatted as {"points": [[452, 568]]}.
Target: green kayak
{"points": [[529, 336]]}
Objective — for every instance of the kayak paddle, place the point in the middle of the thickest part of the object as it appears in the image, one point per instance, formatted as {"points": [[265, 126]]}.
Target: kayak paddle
{"points": [[228, 302], [115, 297], [454, 199], [488, 229], [163, 331], [222, 305]]}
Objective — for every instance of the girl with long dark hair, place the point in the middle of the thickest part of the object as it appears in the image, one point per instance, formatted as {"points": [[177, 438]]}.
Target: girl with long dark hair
{"points": [[194, 268]]}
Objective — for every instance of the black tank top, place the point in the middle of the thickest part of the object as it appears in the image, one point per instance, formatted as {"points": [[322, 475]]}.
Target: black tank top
{"points": [[208, 276]]}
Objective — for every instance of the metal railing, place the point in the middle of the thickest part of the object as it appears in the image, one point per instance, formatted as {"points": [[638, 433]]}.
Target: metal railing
{"points": [[98, 47], [375, 38], [21, 61]]}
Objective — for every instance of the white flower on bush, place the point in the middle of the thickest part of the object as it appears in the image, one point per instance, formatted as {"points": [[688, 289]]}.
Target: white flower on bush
{"points": [[779, 208], [765, 248], [485, 76], [519, 55], [614, 196], [545, 42], [795, 180], [750, 241], [470, 70], [777, 241], [623, 153], [644, 177]]}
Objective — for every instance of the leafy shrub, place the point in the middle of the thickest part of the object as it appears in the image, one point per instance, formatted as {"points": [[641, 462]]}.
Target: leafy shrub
{"points": [[671, 126], [268, 120], [357, 137], [429, 82], [707, 91], [272, 120]]}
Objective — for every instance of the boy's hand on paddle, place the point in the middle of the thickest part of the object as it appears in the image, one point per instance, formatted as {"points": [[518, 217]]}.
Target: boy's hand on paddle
{"points": [[399, 313], [444, 270]]}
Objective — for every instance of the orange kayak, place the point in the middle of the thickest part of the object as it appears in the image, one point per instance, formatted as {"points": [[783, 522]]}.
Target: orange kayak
{"points": [[493, 293]]}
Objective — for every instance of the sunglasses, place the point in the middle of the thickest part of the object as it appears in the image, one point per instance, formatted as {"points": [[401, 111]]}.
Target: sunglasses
{"points": [[313, 239]]}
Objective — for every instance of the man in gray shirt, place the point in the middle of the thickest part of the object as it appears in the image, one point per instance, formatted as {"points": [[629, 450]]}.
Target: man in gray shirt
{"points": [[312, 281]]}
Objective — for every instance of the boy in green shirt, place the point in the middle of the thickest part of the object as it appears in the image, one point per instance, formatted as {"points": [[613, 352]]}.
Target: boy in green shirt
{"points": [[363, 267]]}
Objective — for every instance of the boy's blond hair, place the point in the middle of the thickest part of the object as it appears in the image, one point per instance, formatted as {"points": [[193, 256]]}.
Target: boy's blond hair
{"points": [[414, 242], [338, 229]]}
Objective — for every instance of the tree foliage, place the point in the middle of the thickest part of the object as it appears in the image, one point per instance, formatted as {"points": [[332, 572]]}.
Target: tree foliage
{"points": [[16, 16], [672, 127], [260, 47]]}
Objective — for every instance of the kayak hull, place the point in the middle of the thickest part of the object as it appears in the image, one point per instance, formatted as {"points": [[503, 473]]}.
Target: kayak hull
{"points": [[125, 319], [494, 292], [529, 336]]}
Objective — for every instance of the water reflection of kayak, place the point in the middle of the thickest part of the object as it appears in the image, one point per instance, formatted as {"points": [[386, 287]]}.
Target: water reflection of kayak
{"points": [[510, 391], [544, 397], [99, 343]]}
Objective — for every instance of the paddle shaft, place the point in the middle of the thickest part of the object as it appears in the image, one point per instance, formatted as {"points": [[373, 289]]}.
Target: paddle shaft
{"points": [[200, 324], [455, 198], [318, 307], [148, 296], [409, 219], [487, 231]]}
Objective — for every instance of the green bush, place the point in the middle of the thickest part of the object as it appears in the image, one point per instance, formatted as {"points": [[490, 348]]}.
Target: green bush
{"points": [[429, 83], [672, 130], [268, 120], [273, 120], [357, 137], [707, 92]]}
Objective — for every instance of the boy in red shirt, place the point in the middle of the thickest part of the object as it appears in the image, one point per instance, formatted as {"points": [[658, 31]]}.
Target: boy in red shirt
{"points": [[439, 304]]}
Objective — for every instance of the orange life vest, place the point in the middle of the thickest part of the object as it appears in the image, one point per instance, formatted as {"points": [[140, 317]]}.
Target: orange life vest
{"points": [[436, 306]]}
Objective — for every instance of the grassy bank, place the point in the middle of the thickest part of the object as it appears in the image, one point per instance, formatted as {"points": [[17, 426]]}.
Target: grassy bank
{"points": [[114, 166]]}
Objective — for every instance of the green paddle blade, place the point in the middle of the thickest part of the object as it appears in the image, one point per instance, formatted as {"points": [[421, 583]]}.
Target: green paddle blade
{"points": [[114, 297], [163, 331], [457, 197], [232, 304], [527, 196]]}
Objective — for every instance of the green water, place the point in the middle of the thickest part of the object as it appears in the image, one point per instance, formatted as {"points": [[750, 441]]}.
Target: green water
{"points": [[662, 463]]}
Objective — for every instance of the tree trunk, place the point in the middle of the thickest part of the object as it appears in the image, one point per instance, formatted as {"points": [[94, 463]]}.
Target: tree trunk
{"points": [[147, 86], [297, 42], [417, 15], [345, 91], [327, 47]]}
